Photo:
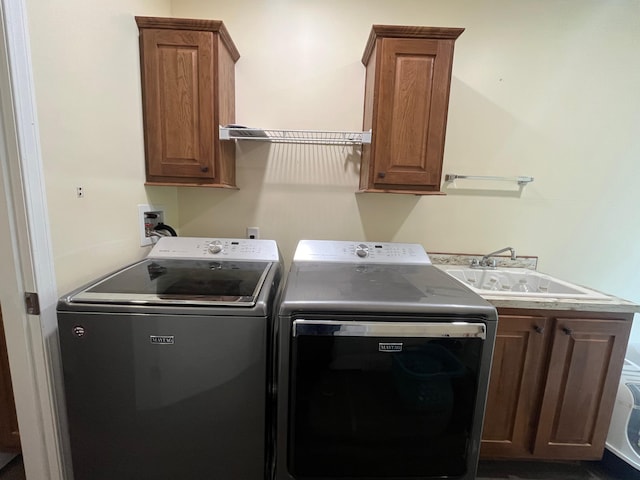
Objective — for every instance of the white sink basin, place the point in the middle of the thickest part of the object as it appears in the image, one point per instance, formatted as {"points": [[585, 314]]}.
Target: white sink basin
{"points": [[519, 282]]}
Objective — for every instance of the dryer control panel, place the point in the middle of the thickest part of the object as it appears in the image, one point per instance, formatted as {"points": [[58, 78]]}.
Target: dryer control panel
{"points": [[361, 252], [215, 248]]}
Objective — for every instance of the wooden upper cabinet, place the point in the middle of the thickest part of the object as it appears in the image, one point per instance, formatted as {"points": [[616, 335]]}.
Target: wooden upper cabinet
{"points": [[408, 77], [188, 87]]}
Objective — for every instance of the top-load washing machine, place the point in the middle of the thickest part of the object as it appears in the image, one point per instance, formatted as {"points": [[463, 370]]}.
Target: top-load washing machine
{"points": [[166, 363], [383, 362]]}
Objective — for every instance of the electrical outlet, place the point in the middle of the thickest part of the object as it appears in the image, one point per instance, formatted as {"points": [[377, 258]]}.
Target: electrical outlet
{"points": [[253, 232], [148, 217]]}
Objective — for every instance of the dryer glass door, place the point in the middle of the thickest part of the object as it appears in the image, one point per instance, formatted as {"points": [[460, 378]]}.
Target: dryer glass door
{"points": [[382, 399]]}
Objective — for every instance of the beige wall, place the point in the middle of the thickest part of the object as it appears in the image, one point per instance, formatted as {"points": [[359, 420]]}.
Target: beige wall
{"points": [[87, 81], [540, 88], [545, 88]]}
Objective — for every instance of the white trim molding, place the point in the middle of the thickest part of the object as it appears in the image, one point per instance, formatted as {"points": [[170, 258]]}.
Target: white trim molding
{"points": [[33, 342]]}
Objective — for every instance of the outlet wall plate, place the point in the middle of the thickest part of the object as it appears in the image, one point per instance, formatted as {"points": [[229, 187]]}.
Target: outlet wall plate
{"points": [[143, 210], [253, 232]]}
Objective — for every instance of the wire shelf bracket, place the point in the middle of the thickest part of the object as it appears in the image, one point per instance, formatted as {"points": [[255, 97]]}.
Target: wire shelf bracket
{"points": [[319, 137]]}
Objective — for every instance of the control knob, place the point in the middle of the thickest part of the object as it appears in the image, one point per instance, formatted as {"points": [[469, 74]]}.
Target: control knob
{"points": [[215, 247], [362, 250]]}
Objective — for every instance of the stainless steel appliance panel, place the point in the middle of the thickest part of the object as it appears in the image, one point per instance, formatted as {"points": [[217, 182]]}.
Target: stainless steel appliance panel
{"points": [[164, 397]]}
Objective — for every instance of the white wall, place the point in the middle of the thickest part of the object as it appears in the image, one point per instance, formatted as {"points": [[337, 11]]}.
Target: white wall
{"points": [[544, 88], [87, 77]]}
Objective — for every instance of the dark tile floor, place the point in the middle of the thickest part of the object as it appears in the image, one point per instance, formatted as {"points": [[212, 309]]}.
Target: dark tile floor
{"points": [[608, 469], [14, 470], [537, 471]]}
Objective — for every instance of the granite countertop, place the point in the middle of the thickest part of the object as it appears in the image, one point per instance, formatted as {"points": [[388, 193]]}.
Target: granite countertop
{"points": [[609, 304]]}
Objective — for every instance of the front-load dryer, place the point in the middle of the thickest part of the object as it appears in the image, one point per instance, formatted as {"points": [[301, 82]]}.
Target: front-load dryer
{"points": [[383, 364]]}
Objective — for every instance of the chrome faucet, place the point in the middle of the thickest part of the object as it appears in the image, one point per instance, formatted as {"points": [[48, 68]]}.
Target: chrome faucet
{"points": [[487, 262]]}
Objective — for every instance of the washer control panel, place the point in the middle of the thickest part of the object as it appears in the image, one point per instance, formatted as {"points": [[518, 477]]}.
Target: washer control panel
{"points": [[355, 252], [215, 248]]}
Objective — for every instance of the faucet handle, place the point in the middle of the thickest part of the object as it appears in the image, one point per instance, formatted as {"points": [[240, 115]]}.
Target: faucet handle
{"points": [[475, 262]]}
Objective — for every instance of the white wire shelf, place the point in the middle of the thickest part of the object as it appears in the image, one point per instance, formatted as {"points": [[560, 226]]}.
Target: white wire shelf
{"points": [[521, 180], [319, 137]]}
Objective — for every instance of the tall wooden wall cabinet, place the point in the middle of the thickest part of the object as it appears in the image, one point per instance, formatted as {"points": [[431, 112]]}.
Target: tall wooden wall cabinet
{"points": [[408, 75], [188, 90]]}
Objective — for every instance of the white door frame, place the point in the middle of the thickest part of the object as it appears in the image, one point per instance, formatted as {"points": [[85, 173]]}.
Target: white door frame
{"points": [[26, 262]]}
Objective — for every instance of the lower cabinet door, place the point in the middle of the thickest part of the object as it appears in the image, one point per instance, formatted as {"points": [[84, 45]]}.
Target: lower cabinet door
{"points": [[584, 370], [515, 386]]}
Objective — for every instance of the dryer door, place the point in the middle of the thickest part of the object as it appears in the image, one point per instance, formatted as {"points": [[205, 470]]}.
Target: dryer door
{"points": [[383, 399]]}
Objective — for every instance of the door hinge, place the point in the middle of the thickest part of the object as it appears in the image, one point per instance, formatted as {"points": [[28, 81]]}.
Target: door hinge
{"points": [[32, 303]]}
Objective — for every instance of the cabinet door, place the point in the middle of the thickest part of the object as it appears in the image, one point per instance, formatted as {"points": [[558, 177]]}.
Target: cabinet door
{"points": [[515, 386], [412, 111], [584, 370], [178, 103]]}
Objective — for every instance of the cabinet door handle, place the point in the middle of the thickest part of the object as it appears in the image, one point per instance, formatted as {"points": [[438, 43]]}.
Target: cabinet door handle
{"points": [[204, 169], [381, 174], [538, 329], [567, 330]]}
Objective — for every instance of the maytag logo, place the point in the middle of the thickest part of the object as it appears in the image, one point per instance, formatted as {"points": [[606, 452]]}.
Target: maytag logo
{"points": [[162, 339], [390, 347]]}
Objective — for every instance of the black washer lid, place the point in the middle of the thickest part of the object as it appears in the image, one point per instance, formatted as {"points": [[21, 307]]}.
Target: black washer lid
{"points": [[157, 281]]}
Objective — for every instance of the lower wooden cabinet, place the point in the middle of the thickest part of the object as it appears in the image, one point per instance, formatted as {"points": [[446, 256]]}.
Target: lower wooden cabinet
{"points": [[514, 389], [553, 383]]}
